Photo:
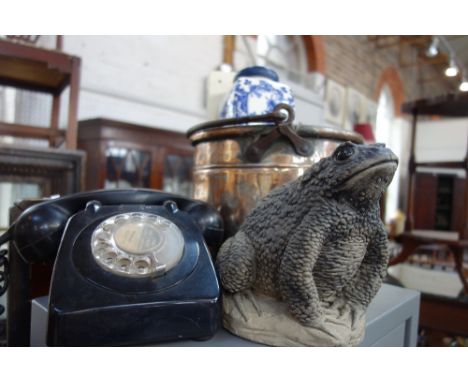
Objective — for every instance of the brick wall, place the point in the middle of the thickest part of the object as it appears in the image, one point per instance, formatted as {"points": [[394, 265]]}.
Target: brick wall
{"points": [[354, 61]]}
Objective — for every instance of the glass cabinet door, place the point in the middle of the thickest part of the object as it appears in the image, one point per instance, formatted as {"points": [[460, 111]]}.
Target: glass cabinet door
{"points": [[127, 167], [178, 174]]}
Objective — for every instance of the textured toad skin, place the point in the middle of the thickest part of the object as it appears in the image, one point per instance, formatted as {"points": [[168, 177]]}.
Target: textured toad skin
{"points": [[318, 238]]}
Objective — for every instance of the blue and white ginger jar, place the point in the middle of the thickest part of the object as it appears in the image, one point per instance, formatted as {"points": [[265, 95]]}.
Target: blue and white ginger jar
{"points": [[256, 91]]}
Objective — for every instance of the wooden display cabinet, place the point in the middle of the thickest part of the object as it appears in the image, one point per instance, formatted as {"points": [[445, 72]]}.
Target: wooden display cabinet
{"points": [[438, 202], [50, 171], [47, 71], [437, 219], [125, 155]]}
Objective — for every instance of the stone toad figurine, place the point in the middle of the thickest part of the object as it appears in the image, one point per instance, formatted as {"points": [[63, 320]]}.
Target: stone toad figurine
{"points": [[312, 254]]}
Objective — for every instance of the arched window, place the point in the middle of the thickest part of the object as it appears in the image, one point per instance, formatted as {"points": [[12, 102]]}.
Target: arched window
{"points": [[385, 115], [292, 57], [287, 55], [386, 132]]}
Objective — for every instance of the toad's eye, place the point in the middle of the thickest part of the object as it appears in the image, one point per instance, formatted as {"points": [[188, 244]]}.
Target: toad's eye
{"points": [[344, 152]]}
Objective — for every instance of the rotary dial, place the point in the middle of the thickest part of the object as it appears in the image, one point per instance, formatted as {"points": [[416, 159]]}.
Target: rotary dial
{"points": [[137, 244]]}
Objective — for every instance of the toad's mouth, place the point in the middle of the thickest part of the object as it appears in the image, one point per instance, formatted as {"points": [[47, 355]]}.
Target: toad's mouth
{"points": [[389, 165]]}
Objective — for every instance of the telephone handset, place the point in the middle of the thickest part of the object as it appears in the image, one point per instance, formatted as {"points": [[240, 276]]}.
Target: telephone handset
{"points": [[132, 266], [37, 232]]}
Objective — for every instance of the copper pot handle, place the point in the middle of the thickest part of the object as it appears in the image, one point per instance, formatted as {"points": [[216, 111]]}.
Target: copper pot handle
{"points": [[277, 116], [257, 148]]}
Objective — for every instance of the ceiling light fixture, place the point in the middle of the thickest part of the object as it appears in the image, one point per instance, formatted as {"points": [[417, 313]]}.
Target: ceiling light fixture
{"points": [[464, 85], [433, 49], [452, 69]]}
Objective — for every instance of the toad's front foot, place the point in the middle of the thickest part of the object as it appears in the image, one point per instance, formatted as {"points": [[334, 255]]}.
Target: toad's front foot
{"points": [[236, 263], [307, 313]]}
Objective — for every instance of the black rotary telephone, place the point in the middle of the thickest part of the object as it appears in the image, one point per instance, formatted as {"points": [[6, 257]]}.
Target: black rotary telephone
{"points": [[131, 266]]}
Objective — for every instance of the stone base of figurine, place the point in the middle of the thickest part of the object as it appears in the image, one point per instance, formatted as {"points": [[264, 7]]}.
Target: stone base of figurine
{"points": [[266, 320]]}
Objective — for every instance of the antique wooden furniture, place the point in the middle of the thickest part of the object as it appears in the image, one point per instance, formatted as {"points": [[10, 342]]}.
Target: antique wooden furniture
{"points": [[439, 201], [124, 155], [48, 71], [55, 171], [443, 317], [457, 241], [437, 219]]}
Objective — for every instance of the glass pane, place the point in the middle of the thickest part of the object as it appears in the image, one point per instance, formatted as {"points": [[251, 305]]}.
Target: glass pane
{"points": [[11, 192], [178, 174], [127, 168]]}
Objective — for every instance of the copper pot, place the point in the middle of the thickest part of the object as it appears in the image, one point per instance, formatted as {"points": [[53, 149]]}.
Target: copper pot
{"points": [[237, 163]]}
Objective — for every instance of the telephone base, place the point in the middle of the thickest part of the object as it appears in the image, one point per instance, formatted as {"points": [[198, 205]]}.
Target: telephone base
{"points": [[137, 325], [92, 306], [185, 330]]}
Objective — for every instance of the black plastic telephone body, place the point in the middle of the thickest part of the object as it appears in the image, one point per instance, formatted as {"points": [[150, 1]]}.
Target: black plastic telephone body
{"points": [[89, 306]]}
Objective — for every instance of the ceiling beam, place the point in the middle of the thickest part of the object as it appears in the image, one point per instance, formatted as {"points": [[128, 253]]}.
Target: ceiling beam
{"points": [[440, 59], [406, 40]]}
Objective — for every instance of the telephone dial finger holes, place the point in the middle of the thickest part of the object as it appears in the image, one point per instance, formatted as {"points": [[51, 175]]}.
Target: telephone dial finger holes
{"points": [[101, 249], [142, 266], [109, 257], [103, 236], [124, 264], [119, 219], [107, 227]]}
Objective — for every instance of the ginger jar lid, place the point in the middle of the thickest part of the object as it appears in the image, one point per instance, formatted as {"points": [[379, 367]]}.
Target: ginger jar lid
{"points": [[258, 71]]}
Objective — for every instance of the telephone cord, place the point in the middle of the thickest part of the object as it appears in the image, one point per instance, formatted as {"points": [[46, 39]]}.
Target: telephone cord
{"points": [[3, 275]]}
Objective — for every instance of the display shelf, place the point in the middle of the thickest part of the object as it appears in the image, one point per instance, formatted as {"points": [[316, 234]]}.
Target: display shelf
{"points": [[392, 320], [42, 70]]}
